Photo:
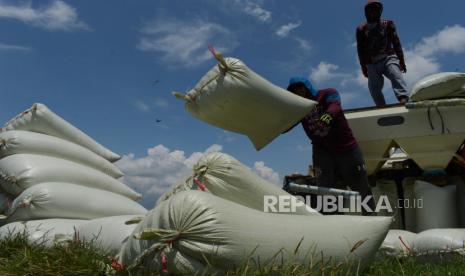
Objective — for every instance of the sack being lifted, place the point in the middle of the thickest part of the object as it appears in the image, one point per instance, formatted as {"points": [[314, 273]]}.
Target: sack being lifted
{"points": [[40, 119], [234, 98], [226, 177], [193, 230]]}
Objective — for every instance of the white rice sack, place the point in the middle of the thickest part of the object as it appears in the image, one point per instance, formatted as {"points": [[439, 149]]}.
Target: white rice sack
{"points": [[21, 171], [64, 200], [226, 177], [239, 100], [40, 119], [193, 226], [107, 233], [388, 188], [439, 206], [398, 243], [47, 231], [18, 141], [440, 241], [438, 86]]}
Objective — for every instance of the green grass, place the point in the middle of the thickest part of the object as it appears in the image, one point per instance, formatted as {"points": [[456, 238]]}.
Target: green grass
{"points": [[18, 257]]}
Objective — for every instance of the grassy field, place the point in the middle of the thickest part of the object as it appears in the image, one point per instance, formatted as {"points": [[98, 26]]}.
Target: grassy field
{"points": [[17, 257]]}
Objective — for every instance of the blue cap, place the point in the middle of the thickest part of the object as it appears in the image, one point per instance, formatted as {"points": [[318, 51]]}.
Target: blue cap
{"points": [[308, 84]]}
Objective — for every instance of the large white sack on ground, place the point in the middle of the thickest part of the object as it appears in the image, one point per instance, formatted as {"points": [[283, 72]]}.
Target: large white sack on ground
{"points": [[438, 86], [388, 188], [47, 231], [193, 226], [459, 182], [18, 141], [64, 200], [239, 100], [440, 240], [107, 233], [226, 177], [21, 171], [439, 206], [398, 243], [40, 119]]}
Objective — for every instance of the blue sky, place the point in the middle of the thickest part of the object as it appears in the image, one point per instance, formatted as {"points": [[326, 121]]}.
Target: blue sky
{"points": [[109, 67]]}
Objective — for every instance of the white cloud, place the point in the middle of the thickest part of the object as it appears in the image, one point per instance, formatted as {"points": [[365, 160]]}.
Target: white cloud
{"points": [[266, 172], [57, 16], [304, 44], [154, 173], [323, 72], [8, 47], [423, 58], [448, 40], [256, 11], [141, 106], [284, 30], [185, 43]]}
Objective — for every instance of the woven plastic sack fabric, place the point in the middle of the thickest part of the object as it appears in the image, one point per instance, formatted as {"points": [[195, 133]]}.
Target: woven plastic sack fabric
{"points": [[40, 119], [388, 188], [64, 200], [234, 98], [18, 141], [192, 227], [21, 171], [107, 233], [438, 86], [47, 231], [398, 243], [439, 206], [226, 177], [440, 241]]}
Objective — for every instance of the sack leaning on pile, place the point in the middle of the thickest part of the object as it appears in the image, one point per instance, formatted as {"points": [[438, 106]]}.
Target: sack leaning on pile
{"points": [[192, 227], [21, 171], [108, 233], [225, 177], [40, 119], [447, 84], [64, 200], [18, 141], [234, 98]]}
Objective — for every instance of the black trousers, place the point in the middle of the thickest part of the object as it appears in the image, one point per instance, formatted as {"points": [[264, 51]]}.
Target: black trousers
{"points": [[348, 166]]}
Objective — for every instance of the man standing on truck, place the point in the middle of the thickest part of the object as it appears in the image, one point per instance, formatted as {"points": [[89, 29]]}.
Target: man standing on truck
{"points": [[335, 150], [380, 53]]}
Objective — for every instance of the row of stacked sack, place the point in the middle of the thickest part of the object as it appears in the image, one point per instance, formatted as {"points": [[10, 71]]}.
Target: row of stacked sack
{"points": [[59, 185], [54, 176], [433, 211]]}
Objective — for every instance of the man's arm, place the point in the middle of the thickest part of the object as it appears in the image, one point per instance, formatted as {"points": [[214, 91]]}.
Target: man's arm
{"points": [[397, 45]]}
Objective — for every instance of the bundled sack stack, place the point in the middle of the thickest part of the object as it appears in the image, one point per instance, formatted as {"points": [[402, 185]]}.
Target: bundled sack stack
{"points": [[55, 177], [233, 97], [433, 225], [437, 86], [215, 219]]}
